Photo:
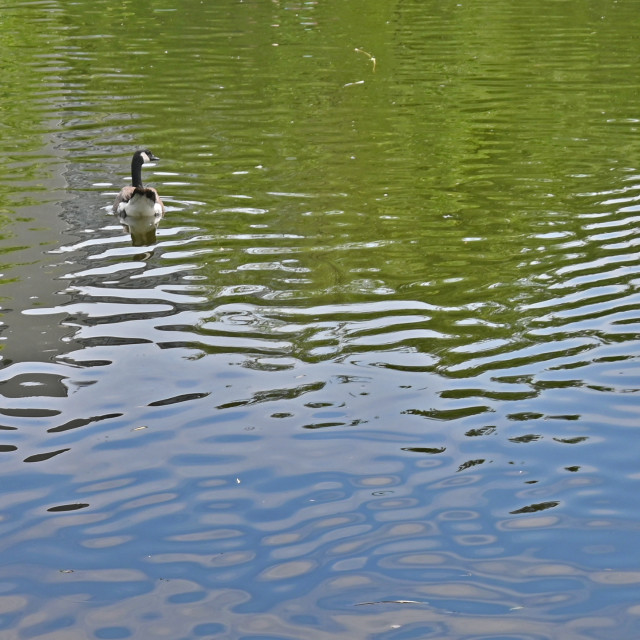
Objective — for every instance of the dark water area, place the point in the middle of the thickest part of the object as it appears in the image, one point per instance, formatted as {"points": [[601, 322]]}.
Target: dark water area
{"points": [[378, 376]]}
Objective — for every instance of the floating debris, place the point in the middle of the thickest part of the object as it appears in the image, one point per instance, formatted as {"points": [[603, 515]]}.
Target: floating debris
{"points": [[371, 57], [361, 604]]}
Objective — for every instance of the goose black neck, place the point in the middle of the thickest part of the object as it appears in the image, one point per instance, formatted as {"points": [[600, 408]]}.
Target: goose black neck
{"points": [[136, 171]]}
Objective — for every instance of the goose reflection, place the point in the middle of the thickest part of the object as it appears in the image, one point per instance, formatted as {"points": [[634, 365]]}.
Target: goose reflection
{"points": [[142, 229], [139, 208]]}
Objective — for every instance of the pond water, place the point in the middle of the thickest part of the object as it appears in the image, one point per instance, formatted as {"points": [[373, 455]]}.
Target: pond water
{"points": [[378, 376]]}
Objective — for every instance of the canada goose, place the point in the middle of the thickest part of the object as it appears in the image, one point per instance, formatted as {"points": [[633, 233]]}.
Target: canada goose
{"points": [[137, 201]]}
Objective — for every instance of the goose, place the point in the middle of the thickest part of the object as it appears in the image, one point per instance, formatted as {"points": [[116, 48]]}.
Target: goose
{"points": [[137, 201]]}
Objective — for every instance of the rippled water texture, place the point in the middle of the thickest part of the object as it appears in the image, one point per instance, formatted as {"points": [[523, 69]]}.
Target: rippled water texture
{"points": [[378, 377]]}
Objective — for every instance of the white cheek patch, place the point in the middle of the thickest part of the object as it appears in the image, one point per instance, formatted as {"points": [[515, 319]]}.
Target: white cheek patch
{"points": [[145, 157]]}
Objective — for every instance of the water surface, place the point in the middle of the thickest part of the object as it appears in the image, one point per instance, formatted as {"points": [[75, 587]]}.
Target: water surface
{"points": [[378, 376]]}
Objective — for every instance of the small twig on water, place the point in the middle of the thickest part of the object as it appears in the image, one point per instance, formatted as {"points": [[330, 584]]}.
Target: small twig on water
{"points": [[362, 604], [372, 58]]}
